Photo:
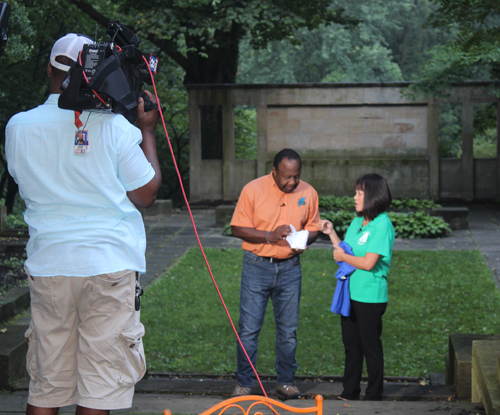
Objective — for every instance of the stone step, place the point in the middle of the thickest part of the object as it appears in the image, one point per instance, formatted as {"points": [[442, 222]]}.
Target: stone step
{"points": [[485, 384], [459, 362], [456, 217], [13, 348], [498, 366], [13, 302]]}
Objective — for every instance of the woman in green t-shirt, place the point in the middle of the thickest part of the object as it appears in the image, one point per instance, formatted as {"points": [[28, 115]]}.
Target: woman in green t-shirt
{"points": [[371, 237]]}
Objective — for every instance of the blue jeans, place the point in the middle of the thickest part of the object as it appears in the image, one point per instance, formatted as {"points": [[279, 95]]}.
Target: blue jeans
{"points": [[261, 279]]}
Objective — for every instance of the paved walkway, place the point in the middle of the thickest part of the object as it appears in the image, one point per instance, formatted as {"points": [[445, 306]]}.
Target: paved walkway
{"points": [[169, 238]]}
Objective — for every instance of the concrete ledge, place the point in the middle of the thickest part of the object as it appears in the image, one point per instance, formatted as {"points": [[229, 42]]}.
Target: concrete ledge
{"points": [[456, 217], [13, 348], [497, 368], [13, 302], [159, 208], [485, 384], [459, 367], [224, 214]]}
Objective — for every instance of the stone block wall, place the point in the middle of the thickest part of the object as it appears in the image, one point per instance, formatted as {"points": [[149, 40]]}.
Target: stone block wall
{"points": [[342, 131]]}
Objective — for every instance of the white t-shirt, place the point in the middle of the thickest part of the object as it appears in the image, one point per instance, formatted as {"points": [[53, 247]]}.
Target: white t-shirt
{"points": [[80, 219]]}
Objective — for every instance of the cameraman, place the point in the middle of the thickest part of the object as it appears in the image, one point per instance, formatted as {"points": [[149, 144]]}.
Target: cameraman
{"points": [[87, 244]]}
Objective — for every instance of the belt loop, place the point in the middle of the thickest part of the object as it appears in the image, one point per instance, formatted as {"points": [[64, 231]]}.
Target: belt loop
{"points": [[271, 260]]}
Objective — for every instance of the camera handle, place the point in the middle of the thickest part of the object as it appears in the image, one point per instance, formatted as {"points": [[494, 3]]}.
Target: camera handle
{"points": [[148, 104]]}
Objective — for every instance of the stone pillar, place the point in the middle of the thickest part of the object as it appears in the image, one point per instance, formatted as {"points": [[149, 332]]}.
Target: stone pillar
{"points": [[228, 148], [433, 147], [261, 140], [194, 146], [467, 151]]}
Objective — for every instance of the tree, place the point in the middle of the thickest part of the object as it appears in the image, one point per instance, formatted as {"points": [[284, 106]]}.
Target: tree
{"points": [[33, 28], [472, 53], [203, 36], [388, 44]]}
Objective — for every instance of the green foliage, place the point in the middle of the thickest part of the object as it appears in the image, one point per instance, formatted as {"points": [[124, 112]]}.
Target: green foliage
{"points": [[416, 204], [13, 274], [15, 221], [245, 132], [340, 219], [418, 225], [450, 130], [24, 65], [226, 231], [426, 303], [406, 225], [472, 53], [203, 36], [389, 44], [332, 202]]}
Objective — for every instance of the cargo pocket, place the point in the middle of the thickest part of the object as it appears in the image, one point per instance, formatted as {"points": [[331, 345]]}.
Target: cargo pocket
{"points": [[134, 361], [112, 292], [29, 335]]}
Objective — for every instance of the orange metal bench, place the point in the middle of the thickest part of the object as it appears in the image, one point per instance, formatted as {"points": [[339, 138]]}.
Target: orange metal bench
{"points": [[256, 405]]}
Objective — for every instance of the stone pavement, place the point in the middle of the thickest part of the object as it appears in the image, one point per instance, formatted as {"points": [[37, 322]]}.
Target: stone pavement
{"points": [[169, 238]]}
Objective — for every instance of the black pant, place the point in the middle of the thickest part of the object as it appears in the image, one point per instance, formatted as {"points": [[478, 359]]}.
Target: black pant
{"points": [[361, 333]]}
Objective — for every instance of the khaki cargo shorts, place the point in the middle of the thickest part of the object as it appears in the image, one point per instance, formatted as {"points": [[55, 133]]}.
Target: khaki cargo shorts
{"points": [[85, 341]]}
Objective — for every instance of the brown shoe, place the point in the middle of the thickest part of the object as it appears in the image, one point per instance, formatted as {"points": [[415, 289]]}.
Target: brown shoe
{"points": [[241, 391], [286, 392]]}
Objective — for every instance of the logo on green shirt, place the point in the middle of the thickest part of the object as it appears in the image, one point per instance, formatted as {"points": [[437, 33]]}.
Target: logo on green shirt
{"points": [[364, 238]]}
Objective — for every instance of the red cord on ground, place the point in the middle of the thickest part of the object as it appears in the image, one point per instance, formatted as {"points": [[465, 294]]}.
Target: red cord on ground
{"points": [[197, 236]]}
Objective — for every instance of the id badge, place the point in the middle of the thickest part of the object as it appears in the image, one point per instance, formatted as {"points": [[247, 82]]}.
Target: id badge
{"points": [[82, 146]]}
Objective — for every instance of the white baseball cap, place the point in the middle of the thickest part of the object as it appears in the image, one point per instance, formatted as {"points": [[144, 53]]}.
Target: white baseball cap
{"points": [[69, 46]]}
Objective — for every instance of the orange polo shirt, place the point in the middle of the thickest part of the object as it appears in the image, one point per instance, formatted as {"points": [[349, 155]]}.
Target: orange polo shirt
{"points": [[263, 206]]}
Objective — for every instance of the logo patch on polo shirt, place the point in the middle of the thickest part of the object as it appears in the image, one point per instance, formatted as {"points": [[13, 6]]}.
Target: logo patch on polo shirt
{"points": [[302, 201], [364, 238]]}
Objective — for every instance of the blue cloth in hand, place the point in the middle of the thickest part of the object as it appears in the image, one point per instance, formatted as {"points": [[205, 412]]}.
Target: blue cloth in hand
{"points": [[341, 303]]}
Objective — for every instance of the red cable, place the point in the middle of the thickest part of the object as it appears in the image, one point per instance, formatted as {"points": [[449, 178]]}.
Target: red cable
{"points": [[86, 79], [196, 232]]}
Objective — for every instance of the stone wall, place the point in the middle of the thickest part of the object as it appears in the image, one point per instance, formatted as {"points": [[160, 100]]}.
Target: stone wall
{"points": [[341, 131], [348, 128]]}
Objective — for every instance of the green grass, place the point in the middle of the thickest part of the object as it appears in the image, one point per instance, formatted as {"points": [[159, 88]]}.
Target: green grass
{"points": [[431, 295]]}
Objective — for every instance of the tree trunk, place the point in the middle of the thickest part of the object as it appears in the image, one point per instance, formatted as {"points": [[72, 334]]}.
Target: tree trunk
{"points": [[221, 66]]}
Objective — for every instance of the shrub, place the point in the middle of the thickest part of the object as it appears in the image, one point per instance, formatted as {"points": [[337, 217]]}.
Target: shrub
{"points": [[418, 225], [226, 231], [334, 203], [16, 221], [406, 225], [340, 219], [417, 204]]}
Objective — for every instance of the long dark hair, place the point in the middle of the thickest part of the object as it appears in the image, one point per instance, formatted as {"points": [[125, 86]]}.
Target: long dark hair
{"points": [[377, 195]]}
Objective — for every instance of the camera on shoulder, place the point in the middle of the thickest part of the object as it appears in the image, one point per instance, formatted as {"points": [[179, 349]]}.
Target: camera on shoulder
{"points": [[110, 75]]}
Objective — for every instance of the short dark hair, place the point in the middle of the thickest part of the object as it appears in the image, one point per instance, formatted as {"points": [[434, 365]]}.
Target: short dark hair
{"points": [[377, 195], [58, 73], [286, 153]]}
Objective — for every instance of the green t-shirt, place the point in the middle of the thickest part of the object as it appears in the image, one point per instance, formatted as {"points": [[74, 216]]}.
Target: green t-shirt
{"points": [[376, 237]]}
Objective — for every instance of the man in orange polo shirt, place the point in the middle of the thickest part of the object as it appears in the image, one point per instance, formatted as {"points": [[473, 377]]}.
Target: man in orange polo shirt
{"points": [[266, 208]]}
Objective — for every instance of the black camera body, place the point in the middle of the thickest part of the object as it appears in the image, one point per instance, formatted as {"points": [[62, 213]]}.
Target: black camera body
{"points": [[110, 75]]}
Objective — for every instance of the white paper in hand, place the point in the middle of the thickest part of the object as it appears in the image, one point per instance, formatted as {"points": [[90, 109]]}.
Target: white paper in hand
{"points": [[297, 240]]}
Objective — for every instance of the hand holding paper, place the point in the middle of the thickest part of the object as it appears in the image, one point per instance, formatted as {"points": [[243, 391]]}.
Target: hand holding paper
{"points": [[297, 240]]}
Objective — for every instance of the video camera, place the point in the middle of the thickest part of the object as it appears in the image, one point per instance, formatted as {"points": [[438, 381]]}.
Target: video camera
{"points": [[4, 19], [110, 75]]}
